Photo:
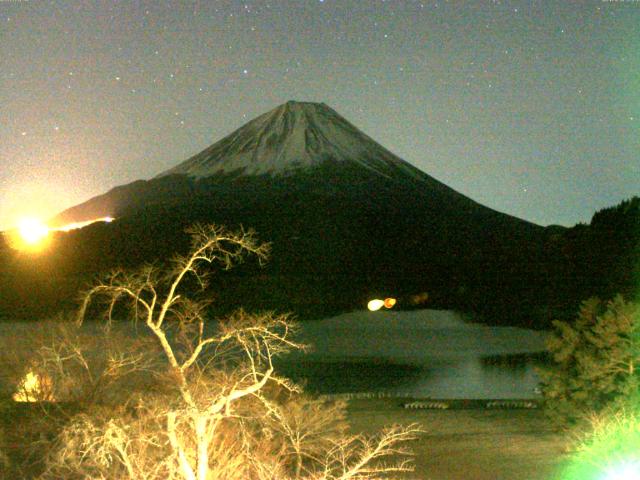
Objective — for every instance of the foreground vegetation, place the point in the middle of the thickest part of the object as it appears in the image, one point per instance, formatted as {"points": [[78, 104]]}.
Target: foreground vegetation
{"points": [[592, 390], [177, 402], [180, 400], [596, 361]]}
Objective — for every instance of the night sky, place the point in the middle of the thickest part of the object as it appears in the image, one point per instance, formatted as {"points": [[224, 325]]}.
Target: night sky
{"points": [[531, 108]]}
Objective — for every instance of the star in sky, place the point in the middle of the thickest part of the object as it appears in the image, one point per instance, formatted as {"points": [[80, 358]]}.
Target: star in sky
{"points": [[472, 93]]}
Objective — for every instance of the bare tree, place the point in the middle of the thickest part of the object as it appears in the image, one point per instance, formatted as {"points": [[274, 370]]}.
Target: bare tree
{"points": [[215, 412]]}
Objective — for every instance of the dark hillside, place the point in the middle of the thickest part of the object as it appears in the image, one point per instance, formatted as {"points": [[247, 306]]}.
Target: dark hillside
{"points": [[347, 219]]}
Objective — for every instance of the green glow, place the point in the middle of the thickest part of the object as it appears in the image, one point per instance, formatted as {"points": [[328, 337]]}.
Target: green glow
{"points": [[624, 471], [612, 451]]}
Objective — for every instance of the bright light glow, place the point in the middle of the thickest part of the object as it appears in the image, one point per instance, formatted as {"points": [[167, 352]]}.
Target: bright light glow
{"points": [[624, 471], [76, 225], [31, 234], [32, 231], [375, 304], [34, 388], [389, 302], [612, 449]]}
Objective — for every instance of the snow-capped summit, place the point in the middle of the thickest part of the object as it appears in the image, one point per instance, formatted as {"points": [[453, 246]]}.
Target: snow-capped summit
{"points": [[290, 138]]}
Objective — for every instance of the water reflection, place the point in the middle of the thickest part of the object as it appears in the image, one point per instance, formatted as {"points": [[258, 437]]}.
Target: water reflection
{"points": [[423, 353], [347, 376]]}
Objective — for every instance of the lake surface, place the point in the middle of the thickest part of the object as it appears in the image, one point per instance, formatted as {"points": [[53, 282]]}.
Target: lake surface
{"points": [[426, 353]]}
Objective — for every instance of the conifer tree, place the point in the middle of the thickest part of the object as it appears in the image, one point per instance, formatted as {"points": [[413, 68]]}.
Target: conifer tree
{"points": [[595, 361]]}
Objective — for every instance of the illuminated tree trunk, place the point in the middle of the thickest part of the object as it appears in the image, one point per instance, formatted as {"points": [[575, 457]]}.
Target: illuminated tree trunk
{"points": [[183, 461], [202, 446]]}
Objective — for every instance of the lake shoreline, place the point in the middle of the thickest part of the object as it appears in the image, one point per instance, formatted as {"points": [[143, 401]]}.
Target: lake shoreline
{"points": [[463, 444]]}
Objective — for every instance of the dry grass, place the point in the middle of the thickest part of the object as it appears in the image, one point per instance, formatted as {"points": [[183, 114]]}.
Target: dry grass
{"points": [[470, 444]]}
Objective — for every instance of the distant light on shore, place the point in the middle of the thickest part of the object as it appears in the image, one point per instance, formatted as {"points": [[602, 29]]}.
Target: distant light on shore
{"points": [[31, 234], [32, 231], [389, 302], [376, 304], [76, 225]]}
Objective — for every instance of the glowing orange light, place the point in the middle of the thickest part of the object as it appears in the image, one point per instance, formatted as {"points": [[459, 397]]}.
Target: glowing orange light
{"points": [[32, 230], [389, 302], [32, 234], [34, 388], [375, 304]]}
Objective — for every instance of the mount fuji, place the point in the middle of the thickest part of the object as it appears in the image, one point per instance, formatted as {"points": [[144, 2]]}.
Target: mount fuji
{"points": [[347, 219], [300, 140]]}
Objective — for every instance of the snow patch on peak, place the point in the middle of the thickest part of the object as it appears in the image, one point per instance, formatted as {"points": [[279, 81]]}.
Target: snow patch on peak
{"points": [[291, 137]]}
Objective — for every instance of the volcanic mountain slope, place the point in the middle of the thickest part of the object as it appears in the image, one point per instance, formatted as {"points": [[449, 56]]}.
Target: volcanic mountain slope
{"points": [[293, 137], [297, 139], [347, 219]]}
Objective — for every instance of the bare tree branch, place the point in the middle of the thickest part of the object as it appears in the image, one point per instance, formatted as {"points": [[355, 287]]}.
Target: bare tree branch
{"points": [[212, 412]]}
